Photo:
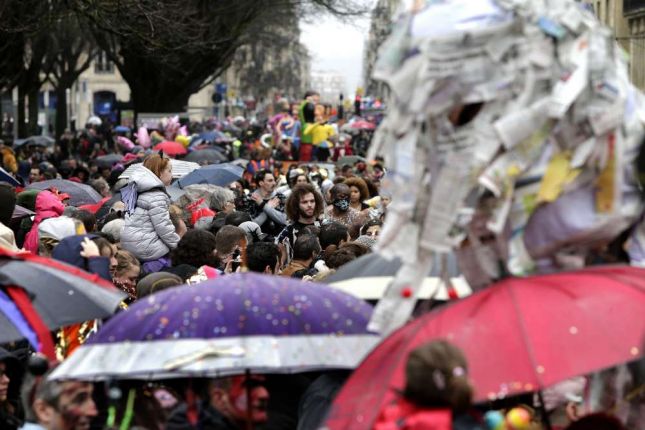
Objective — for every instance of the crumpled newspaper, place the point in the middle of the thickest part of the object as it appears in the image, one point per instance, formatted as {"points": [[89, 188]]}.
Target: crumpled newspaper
{"points": [[510, 138]]}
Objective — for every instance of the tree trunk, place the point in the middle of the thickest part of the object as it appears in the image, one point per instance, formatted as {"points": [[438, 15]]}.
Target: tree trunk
{"points": [[33, 111], [61, 111], [22, 124]]}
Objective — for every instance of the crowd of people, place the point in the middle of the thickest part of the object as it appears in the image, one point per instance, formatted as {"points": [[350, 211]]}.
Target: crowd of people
{"points": [[296, 211]]}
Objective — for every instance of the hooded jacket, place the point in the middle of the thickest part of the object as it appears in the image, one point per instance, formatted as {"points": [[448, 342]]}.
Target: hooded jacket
{"points": [[148, 233], [47, 206], [69, 251]]}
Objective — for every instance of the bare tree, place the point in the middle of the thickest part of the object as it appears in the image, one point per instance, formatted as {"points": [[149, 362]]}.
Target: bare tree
{"points": [[71, 53]]}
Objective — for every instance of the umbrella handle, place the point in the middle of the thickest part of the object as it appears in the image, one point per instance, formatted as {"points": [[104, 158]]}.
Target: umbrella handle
{"points": [[200, 355], [543, 412]]}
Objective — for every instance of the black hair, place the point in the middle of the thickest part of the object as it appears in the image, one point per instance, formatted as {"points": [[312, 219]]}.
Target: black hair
{"points": [[332, 234], [196, 248], [305, 247], [236, 218], [261, 174], [87, 218], [259, 255], [7, 202]]}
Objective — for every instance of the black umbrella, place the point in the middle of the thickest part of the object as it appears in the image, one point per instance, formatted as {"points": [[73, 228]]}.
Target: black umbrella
{"points": [[61, 294], [368, 276], [36, 141], [79, 194], [206, 156], [108, 160]]}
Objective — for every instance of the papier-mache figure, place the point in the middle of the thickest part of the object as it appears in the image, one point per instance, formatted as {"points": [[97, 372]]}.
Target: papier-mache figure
{"points": [[510, 140]]}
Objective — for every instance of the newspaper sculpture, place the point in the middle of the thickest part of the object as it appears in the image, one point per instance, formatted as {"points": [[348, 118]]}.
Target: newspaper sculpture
{"points": [[510, 139]]}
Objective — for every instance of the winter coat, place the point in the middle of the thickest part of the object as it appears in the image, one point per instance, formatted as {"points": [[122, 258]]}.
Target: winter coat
{"points": [[47, 206], [209, 418], [69, 251], [148, 233]]}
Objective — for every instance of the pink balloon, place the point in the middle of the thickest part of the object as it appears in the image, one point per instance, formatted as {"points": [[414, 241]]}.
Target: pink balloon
{"points": [[143, 138], [125, 143]]}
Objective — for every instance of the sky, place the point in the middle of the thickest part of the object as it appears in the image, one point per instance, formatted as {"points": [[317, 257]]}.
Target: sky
{"points": [[337, 46]]}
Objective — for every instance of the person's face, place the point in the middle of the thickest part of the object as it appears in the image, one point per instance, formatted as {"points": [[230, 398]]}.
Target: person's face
{"points": [[109, 252], [229, 207], [129, 277], [234, 401], [4, 382], [166, 175], [386, 201], [373, 231], [307, 205], [74, 411], [300, 180], [268, 184], [354, 195], [34, 175]]}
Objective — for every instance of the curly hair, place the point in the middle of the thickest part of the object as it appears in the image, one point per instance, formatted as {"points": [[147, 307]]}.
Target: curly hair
{"points": [[292, 206], [196, 249], [360, 184]]}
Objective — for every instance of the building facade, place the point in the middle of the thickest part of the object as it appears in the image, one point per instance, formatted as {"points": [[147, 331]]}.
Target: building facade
{"points": [[329, 84], [381, 21]]}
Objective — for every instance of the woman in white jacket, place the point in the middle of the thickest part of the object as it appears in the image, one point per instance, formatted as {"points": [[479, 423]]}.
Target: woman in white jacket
{"points": [[148, 232]]}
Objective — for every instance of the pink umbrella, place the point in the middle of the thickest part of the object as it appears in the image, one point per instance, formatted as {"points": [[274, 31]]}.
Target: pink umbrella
{"points": [[171, 148]]}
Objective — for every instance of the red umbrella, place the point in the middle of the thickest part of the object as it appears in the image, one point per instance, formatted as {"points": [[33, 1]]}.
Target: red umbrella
{"points": [[171, 148], [520, 335]]}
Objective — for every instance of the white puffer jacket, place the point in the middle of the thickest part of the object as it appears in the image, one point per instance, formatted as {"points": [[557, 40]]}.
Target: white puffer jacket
{"points": [[148, 233]]}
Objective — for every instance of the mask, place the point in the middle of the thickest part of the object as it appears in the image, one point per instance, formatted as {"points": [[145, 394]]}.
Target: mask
{"points": [[341, 204]]}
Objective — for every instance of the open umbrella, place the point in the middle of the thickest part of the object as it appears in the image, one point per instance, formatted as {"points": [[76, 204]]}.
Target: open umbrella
{"points": [[21, 212], [227, 326], [215, 174], [208, 156], [368, 276], [520, 335], [6, 177], [79, 194], [358, 125], [44, 141], [108, 160], [60, 294], [180, 169], [171, 148], [350, 160], [122, 129]]}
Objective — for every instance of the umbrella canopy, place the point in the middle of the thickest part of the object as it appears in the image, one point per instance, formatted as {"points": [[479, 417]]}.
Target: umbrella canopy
{"points": [[368, 276], [208, 156], [122, 129], [232, 324], [215, 136], [171, 148], [45, 141], [358, 125], [61, 294], [20, 212], [94, 120], [6, 177], [79, 194], [350, 160], [108, 160], [214, 174], [520, 335], [180, 169]]}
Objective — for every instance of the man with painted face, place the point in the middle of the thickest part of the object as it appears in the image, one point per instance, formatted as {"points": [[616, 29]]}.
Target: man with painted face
{"points": [[339, 210], [226, 406], [58, 405]]}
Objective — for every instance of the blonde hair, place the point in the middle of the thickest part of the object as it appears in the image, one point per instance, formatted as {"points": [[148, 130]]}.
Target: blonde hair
{"points": [[124, 261]]}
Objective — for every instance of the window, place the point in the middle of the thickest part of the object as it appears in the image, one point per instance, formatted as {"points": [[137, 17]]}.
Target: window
{"points": [[102, 63]]}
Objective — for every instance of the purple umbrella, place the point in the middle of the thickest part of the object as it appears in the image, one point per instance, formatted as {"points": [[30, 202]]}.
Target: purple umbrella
{"points": [[227, 326]]}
